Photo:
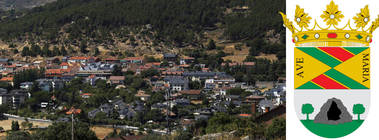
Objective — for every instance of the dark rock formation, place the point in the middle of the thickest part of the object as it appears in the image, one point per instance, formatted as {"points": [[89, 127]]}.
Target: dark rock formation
{"points": [[333, 112]]}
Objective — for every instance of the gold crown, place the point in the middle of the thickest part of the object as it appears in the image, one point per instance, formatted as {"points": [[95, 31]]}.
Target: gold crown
{"points": [[331, 35]]}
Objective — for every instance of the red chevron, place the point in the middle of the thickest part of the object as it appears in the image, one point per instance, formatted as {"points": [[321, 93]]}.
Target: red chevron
{"points": [[327, 83], [337, 52]]}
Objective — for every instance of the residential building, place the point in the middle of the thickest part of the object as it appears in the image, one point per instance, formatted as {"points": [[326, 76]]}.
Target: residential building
{"points": [[254, 99], [64, 65], [50, 84], [186, 60], [219, 81], [92, 79], [85, 95], [142, 95], [26, 85], [169, 57], [116, 80], [158, 85], [14, 97], [202, 113], [129, 60], [172, 73], [3, 92], [265, 106], [8, 80], [112, 60], [202, 75], [99, 69], [52, 60], [191, 94], [79, 59], [177, 83], [124, 110], [4, 61], [222, 81]]}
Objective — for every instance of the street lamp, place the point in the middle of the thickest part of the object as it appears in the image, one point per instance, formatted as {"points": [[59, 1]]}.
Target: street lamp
{"points": [[168, 95], [71, 112]]}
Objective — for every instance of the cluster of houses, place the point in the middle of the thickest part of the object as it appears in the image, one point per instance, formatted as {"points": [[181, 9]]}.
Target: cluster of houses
{"points": [[174, 79], [14, 97], [123, 110]]}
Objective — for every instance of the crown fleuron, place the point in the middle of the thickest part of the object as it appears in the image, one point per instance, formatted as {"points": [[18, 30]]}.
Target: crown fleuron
{"points": [[331, 35]]}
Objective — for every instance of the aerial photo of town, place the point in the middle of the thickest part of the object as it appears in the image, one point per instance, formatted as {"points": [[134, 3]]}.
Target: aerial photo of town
{"points": [[142, 70]]}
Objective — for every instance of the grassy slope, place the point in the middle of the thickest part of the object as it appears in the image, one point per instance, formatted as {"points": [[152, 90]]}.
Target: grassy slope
{"points": [[332, 131]]}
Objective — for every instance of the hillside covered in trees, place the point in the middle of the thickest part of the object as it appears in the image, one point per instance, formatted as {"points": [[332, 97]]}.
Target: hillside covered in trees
{"points": [[121, 28], [22, 4], [180, 22]]}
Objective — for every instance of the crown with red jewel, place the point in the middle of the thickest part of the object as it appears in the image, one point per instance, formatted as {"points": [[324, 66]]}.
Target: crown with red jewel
{"points": [[360, 35]]}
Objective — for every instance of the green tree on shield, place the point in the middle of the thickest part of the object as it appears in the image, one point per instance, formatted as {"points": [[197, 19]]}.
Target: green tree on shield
{"points": [[307, 109], [358, 109]]}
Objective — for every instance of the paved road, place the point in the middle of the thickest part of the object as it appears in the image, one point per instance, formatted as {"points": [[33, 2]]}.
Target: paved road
{"points": [[157, 131], [29, 119]]}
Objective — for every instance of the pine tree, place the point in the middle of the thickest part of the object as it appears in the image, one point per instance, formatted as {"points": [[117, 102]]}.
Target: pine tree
{"points": [[45, 51], [25, 51], [12, 45], [97, 52], [63, 51], [15, 126], [83, 47], [211, 45], [56, 51], [35, 50]]}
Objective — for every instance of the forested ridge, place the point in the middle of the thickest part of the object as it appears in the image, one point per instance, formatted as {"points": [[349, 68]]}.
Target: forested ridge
{"points": [[178, 21], [22, 4]]}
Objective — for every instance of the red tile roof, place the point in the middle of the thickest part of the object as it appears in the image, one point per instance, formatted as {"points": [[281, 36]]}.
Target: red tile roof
{"points": [[244, 115], [142, 94], [54, 71], [73, 111], [205, 69], [86, 94], [6, 79], [64, 64]]}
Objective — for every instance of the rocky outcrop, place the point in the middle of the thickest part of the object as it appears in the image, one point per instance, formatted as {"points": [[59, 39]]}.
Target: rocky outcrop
{"points": [[333, 112]]}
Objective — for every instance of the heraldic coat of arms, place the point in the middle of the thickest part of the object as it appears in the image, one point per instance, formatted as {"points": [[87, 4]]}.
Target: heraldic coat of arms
{"points": [[331, 70]]}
